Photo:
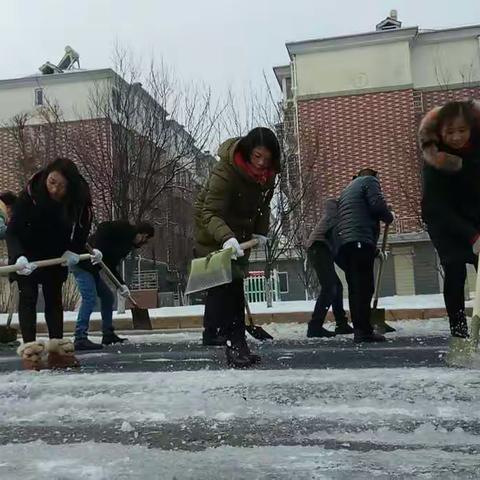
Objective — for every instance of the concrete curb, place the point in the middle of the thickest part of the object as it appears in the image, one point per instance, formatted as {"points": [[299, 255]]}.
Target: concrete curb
{"points": [[196, 321]]}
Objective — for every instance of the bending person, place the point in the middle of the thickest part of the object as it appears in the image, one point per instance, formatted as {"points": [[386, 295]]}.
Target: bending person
{"points": [[320, 251], [112, 242], [51, 218], [232, 208], [450, 140]]}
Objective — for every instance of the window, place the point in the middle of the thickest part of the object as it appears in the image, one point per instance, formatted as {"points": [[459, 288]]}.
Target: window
{"points": [[38, 97], [283, 282], [116, 100]]}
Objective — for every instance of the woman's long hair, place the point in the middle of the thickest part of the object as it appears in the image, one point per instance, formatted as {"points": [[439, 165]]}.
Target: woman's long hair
{"points": [[260, 137], [77, 195], [464, 109]]}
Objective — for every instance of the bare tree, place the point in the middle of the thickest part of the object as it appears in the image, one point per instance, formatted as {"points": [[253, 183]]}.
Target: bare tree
{"points": [[159, 129], [293, 187]]}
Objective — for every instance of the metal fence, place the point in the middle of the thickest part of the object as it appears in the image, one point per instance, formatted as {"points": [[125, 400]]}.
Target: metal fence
{"points": [[145, 280], [255, 285]]}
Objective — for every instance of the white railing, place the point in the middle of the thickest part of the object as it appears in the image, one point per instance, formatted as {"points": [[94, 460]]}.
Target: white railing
{"points": [[145, 280], [255, 286]]}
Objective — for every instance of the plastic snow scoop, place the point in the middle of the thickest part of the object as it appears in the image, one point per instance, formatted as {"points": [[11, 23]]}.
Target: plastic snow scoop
{"points": [[5, 270], [214, 269], [377, 317], [254, 330], [140, 316], [462, 350], [8, 334]]}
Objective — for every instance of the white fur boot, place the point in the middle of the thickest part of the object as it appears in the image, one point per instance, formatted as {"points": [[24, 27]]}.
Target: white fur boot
{"points": [[31, 355], [61, 353]]}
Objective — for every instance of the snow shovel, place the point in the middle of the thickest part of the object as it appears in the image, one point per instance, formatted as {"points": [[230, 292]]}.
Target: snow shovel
{"points": [[377, 317], [461, 350], [8, 334], [6, 269], [214, 269], [140, 316], [254, 330]]}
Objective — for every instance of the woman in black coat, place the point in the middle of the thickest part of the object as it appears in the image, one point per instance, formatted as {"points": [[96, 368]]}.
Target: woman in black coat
{"points": [[450, 141], [51, 218]]}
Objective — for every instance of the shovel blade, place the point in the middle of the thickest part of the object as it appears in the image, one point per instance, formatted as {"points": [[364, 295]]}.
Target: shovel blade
{"points": [[141, 319], [258, 333], [8, 334], [211, 271]]}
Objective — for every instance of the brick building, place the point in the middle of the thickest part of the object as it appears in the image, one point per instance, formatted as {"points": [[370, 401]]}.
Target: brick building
{"points": [[81, 114], [357, 101]]}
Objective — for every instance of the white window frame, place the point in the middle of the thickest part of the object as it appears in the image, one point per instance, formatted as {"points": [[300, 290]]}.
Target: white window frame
{"points": [[37, 90], [279, 283]]}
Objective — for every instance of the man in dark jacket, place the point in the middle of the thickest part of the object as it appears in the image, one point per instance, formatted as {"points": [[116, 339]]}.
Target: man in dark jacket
{"points": [[361, 207], [321, 252], [112, 242]]}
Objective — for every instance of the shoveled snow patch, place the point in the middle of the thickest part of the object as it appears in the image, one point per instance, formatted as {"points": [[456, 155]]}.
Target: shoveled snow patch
{"points": [[359, 396], [103, 461], [298, 331]]}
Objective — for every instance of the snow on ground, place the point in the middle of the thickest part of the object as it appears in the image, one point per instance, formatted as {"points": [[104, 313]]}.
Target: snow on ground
{"points": [[122, 462], [424, 395], [404, 302], [384, 423]]}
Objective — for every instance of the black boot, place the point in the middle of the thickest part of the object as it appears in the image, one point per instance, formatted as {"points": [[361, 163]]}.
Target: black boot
{"points": [[213, 339], [85, 344], [316, 330], [458, 325], [110, 337], [342, 327], [360, 336], [239, 355]]}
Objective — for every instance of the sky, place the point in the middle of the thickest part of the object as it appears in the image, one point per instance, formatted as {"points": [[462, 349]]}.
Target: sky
{"points": [[223, 43]]}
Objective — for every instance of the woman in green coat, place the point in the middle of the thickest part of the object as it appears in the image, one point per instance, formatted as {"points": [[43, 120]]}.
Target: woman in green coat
{"points": [[233, 207]]}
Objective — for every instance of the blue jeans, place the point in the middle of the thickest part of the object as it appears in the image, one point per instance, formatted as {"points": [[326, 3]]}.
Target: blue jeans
{"points": [[92, 286]]}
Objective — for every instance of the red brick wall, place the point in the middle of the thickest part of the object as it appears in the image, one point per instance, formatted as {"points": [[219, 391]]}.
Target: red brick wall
{"points": [[340, 135]]}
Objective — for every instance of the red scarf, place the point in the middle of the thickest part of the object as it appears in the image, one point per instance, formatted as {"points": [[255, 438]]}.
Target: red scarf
{"points": [[261, 177]]}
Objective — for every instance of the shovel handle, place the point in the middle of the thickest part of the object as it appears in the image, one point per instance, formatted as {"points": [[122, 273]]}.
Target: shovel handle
{"points": [[111, 276], [380, 267], [249, 244], [42, 263], [249, 312]]}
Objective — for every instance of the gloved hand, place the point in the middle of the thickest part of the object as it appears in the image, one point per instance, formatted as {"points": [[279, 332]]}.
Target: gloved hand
{"points": [[24, 266], [476, 245], [124, 291], [382, 256], [97, 256], [71, 258], [262, 239], [235, 246]]}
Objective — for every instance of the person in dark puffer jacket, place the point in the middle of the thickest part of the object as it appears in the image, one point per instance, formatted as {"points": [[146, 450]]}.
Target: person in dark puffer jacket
{"points": [[450, 141], [51, 218], [361, 207], [321, 252]]}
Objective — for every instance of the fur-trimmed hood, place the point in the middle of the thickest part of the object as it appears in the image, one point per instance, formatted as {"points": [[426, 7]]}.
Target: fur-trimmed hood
{"points": [[429, 141]]}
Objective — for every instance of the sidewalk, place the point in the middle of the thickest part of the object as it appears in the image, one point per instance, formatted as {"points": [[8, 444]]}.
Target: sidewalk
{"points": [[178, 318]]}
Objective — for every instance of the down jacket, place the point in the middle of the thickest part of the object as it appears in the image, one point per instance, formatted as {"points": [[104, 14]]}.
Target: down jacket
{"points": [[232, 204], [451, 191], [361, 207], [39, 229], [322, 232]]}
